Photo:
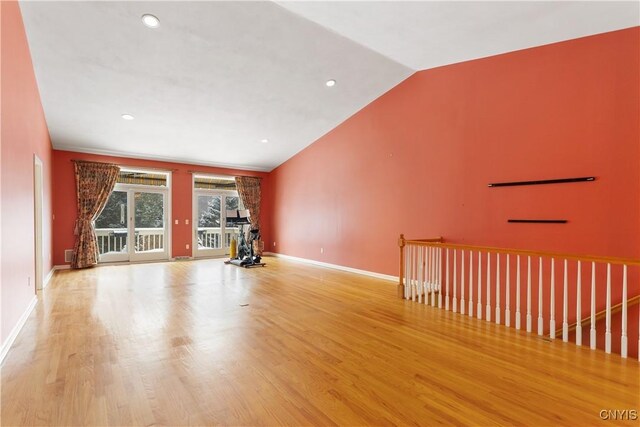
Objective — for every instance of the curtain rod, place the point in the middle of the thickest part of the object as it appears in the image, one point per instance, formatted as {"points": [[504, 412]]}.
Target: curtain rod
{"points": [[126, 166], [210, 173], [91, 161], [220, 175]]}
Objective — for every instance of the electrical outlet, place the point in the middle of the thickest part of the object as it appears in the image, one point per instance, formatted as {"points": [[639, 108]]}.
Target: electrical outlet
{"points": [[186, 221], [187, 246], [321, 250], [177, 222], [274, 244]]}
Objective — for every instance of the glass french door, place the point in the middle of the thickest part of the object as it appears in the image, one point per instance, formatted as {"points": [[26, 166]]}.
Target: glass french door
{"points": [[211, 237], [149, 226], [133, 226]]}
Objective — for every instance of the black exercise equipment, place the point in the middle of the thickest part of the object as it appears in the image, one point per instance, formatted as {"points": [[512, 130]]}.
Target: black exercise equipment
{"points": [[245, 257]]}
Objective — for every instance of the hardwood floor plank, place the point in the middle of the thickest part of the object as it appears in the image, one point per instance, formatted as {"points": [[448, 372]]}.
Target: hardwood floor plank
{"points": [[203, 343]]}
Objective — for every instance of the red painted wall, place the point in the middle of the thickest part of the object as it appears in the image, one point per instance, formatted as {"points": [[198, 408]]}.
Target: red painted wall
{"points": [[64, 202], [24, 133], [418, 160]]}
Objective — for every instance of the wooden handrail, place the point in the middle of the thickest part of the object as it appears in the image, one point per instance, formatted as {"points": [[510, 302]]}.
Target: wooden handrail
{"points": [[600, 315], [439, 243], [432, 240]]}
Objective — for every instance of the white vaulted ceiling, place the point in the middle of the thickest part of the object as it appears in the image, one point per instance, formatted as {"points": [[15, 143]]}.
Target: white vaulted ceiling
{"points": [[216, 78]]}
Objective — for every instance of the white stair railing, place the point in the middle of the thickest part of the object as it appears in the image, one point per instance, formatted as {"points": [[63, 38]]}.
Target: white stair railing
{"points": [[427, 263]]}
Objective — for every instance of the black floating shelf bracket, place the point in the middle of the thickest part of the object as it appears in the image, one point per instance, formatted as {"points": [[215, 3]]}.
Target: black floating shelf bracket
{"points": [[541, 182], [539, 221]]}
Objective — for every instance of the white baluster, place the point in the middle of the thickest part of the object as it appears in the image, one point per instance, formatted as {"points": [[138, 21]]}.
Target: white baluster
{"points": [[470, 283], [428, 283], [413, 266], [497, 289], [455, 280], [462, 284], [421, 269], [607, 334], [592, 336], [507, 295], [427, 270], [429, 278], [433, 278], [487, 314], [432, 269], [407, 279], [528, 294], [552, 304], [565, 306], [439, 252], [518, 292], [421, 288], [404, 271], [579, 305], [446, 300], [479, 308], [410, 271], [414, 272], [540, 321], [415, 276], [623, 340]]}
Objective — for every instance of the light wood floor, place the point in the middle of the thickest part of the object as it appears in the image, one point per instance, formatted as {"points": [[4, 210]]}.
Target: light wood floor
{"points": [[173, 344]]}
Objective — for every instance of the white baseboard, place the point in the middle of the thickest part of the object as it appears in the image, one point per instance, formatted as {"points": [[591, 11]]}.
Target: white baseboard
{"points": [[6, 346], [335, 266], [52, 272], [48, 278], [151, 261]]}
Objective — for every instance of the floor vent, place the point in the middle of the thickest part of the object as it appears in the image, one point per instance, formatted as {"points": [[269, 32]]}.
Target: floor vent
{"points": [[68, 255]]}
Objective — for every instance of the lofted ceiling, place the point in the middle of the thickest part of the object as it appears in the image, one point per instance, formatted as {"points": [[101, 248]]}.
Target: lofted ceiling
{"points": [[216, 78]]}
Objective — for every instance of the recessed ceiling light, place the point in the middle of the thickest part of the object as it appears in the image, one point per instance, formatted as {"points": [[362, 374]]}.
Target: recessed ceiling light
{"points": [[264, 141], [330, 83], [128, 117], [150, 21]]}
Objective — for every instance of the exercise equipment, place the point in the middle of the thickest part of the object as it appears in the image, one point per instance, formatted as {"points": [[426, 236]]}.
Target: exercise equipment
{"points": [[245, 256]]}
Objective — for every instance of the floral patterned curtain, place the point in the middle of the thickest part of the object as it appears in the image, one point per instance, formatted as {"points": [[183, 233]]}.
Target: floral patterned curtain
{"points": [[94, 184], [249, 191]]}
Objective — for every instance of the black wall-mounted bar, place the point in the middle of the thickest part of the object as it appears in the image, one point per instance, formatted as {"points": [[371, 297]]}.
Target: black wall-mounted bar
{"points": [[541, 182], [539, 221]]}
